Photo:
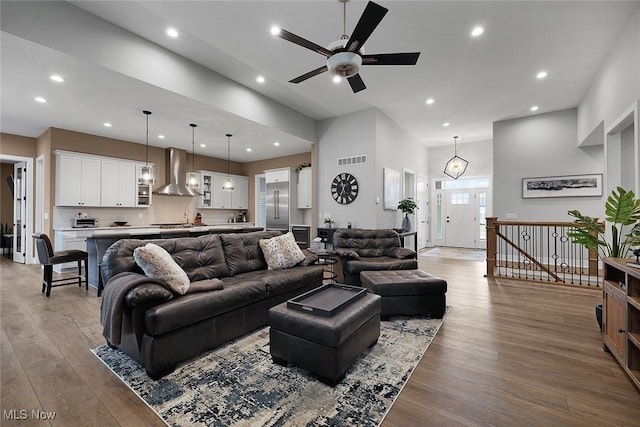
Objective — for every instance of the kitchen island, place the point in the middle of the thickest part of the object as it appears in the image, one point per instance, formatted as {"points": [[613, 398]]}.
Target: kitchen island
{"points": [[96, 240]]}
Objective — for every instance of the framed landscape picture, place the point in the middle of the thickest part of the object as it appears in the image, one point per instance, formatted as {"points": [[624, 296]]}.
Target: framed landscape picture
{"points": [[391, 185], [562, 186]]}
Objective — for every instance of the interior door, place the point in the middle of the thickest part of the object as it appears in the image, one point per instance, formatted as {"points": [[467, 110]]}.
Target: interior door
{"points": [[19, 212], [422, 215], [460, 219]]}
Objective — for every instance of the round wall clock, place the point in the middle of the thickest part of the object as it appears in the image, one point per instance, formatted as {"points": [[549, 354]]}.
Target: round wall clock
{"points": [[344, 188]]}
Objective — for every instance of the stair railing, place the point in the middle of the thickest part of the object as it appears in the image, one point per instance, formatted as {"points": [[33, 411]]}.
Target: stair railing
{"points": [[540, 252]]}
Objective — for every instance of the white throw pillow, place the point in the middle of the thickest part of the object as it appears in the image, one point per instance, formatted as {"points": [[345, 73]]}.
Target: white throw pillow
{"points": [[158, 264], [281, 251]]}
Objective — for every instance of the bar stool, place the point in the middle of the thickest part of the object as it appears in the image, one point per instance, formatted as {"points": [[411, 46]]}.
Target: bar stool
{"points": [[48, 258]]}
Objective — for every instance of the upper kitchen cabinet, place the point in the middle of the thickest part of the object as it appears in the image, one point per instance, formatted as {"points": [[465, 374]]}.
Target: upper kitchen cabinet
{"points": [[240, 194], [77, 180], [96, 181], [304, 188], [213, 196], [118, 184]]}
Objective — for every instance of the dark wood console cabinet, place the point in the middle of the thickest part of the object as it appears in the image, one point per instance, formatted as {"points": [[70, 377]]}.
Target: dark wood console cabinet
{"points": [[621, 314]]}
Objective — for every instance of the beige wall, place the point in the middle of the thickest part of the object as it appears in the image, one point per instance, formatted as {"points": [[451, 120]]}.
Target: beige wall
{"points": [[16, 145], [6, 201]]}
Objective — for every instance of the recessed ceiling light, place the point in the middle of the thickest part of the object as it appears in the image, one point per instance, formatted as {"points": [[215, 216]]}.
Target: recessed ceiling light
{"points": [[534, 108], [172, 32], [107, 124], [276, 143], [275, 30], [430, 101], [477, 31], [337, 79], [446, 124], [541, 75], [203, 145], [56, 78], [260, 79], [40, 99], [249, 150], [161, 136]]}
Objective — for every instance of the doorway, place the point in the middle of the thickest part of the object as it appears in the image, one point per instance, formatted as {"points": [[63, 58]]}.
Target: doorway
{"points": [[22, 207], [460, 212], [422, 216]]}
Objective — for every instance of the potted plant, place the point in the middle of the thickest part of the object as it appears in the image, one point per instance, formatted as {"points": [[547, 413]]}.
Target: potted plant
{"points": [[407, 206], [622, 210]]}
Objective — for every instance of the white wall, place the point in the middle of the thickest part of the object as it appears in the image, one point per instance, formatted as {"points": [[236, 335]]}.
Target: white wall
{"points": [[396, 149], [349, 135], [372, 133], [616, 85], [479, 154], [536, 146]]}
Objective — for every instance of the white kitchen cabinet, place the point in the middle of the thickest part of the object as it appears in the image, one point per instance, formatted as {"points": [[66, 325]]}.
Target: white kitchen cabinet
{"points": [[77, 180], [118, 184], [221, 198], [144, 198], [240, 194], [213, 196], [304, 188]]}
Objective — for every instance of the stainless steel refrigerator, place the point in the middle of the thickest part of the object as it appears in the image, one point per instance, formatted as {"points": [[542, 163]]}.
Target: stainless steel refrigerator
{"points": [[277, 204]]}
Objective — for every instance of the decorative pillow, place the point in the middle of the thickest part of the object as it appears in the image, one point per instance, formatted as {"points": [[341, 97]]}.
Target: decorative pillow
{"points": [[158, 264], [281, 251]]}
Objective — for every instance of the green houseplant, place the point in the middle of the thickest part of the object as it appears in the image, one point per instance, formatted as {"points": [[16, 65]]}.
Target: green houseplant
{"points": [[622, 211], [407, 206]]}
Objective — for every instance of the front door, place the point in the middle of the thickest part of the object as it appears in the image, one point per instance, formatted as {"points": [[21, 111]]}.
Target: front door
{"points": [[422, 214], [19, 212], [459, 219]]}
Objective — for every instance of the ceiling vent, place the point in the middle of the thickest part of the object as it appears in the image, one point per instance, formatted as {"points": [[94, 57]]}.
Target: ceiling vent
{"points": [[350, 161]]}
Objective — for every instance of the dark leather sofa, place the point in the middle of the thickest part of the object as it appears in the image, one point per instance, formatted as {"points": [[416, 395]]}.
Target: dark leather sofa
{"points": [[160, 329], [370, 250]]}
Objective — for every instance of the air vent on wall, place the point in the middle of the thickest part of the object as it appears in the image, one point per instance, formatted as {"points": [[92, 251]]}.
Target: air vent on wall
{"points": [[355, 160]]}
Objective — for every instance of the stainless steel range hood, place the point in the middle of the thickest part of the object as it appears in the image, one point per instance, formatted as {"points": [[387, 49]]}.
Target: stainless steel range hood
{"points": [[176, 172]]}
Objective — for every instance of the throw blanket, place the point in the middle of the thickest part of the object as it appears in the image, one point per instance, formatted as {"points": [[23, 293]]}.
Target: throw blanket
{"points": [[113, 300], [118, 288]]}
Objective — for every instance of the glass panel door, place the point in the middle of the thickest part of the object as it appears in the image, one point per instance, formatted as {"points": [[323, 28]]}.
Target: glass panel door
{"points": [[19, 211]]}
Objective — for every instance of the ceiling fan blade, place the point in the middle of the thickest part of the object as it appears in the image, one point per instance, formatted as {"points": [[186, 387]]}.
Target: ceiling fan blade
{"points": [[356, 83], [409, 58], [368, 22], [284, 34], [309, 74]]}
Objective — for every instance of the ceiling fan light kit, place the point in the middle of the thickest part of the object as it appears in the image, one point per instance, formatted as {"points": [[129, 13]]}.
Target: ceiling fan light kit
{"points": [[346, 56]]}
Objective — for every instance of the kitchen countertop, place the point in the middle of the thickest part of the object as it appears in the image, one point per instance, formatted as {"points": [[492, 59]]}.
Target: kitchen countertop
{"points": [[150, 229]]}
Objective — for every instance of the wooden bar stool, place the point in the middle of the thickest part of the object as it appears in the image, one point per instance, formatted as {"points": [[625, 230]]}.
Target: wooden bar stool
{"points": [[48, 258]]}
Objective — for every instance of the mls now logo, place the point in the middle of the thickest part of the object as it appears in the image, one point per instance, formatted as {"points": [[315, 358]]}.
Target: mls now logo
{"points": [[23, 414]]}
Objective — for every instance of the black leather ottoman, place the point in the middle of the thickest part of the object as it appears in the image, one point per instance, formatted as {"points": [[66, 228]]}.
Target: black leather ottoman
{"points": [[324, 345], [407, 292]]}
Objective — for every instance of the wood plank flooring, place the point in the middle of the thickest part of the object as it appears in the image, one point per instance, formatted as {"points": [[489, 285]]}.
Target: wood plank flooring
{"points": [[509, 354]]}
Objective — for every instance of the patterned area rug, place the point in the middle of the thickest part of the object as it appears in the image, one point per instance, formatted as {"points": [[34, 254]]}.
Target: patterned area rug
{"points": [[457, 253], [237, 384]]}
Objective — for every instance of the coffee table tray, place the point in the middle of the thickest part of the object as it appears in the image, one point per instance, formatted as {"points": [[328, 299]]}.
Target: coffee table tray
{"points": [[326, 299]]}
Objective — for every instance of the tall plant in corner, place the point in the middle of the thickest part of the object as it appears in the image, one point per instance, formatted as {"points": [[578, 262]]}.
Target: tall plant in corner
{"points": [[622, 211]]}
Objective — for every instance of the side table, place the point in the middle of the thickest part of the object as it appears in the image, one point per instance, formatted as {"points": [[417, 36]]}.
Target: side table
{"points": [[329, 259]]}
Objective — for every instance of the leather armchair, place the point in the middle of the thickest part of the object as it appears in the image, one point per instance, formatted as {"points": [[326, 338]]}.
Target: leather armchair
{"points": [[370, 250]]}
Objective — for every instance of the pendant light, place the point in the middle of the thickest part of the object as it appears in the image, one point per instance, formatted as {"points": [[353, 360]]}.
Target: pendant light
{"points": [[192, 177], [456, 165], [147, 175], [228, 184]]}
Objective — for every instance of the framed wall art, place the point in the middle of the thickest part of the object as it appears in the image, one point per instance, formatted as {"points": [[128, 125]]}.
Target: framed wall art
{"points": [[391, 183], [562, 186]]}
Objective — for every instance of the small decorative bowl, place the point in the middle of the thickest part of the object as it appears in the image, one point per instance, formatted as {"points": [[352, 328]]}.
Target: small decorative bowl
{"points": [[120, 223]]}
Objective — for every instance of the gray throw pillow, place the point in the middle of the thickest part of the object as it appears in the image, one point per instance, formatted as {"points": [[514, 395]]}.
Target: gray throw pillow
{"points": [[158, 264]]}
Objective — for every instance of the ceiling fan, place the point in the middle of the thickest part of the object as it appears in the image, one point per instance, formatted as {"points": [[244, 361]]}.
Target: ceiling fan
{"points": [[345, 56]]}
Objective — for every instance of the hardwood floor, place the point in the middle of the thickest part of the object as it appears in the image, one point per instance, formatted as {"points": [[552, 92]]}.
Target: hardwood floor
{"points": [[509, 354]]}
